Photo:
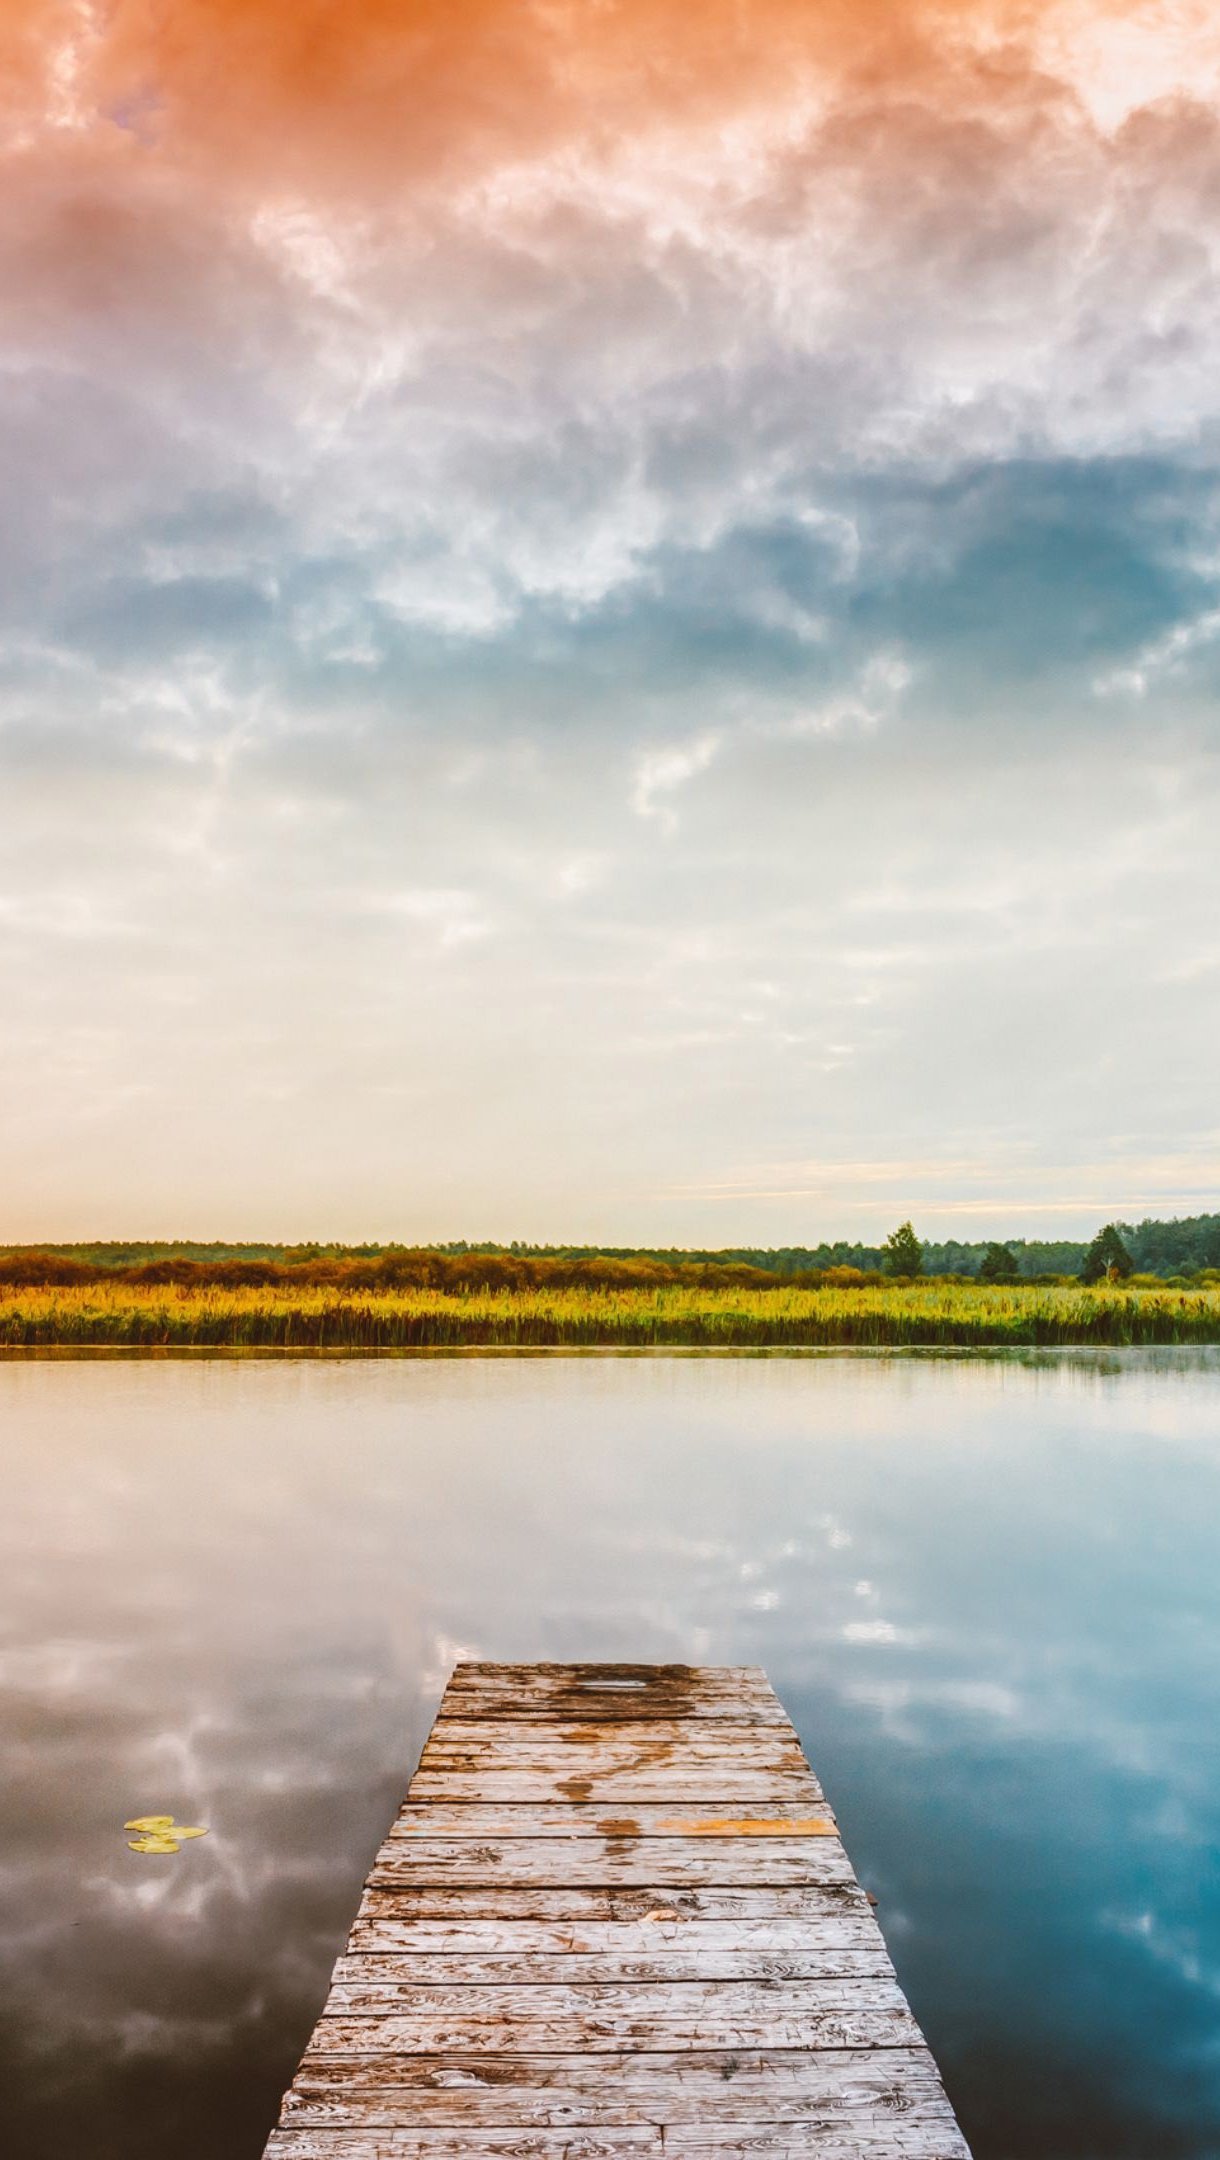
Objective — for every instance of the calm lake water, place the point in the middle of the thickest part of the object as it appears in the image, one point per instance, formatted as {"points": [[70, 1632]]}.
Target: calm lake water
{"points": [[987, 1590]]}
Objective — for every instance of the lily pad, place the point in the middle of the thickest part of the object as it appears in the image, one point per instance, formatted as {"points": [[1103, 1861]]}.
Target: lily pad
{"points": [[160, 1833]]}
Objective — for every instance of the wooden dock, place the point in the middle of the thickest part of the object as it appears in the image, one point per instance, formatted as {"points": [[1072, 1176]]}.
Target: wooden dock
{"points": [[614, 1918]]}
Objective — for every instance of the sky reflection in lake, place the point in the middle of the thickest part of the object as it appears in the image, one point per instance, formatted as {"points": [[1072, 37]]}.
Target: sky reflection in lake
{"points": [[988, 1592]]}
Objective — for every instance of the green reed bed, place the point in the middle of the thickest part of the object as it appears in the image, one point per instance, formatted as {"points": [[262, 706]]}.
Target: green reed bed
{"points": [[333, 1318]]}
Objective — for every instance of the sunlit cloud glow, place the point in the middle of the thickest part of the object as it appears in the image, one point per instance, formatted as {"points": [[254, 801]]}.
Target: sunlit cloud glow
{"points": [[663, 618]]}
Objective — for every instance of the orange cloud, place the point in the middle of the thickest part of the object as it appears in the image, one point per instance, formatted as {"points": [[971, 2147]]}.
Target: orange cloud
{"points": [[316, 93]]}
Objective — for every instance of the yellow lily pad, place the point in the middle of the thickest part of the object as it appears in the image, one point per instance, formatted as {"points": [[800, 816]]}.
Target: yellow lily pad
{"points": [[160, 1833]]}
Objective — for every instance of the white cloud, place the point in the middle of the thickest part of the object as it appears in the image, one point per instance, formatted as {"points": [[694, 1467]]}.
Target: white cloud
{"points": [[455, 916], [661, 773], [379, 589], [1161, 656]]}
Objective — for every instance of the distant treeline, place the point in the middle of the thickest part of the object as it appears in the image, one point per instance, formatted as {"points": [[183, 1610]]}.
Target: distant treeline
{"points": [[1181, 1247]]}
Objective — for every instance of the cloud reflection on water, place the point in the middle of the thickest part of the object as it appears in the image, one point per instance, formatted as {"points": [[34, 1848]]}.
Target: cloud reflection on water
{"points": [[985, 1590]]}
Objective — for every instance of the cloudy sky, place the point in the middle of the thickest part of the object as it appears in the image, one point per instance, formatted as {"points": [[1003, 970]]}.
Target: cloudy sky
{"points": [[609, 616]]}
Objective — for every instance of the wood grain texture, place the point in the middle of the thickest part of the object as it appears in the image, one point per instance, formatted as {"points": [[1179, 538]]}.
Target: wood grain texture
{"points": [[604, 1693], [883, 2138], [558, 1819], [614, 1917], [375, 1992], [878, 2138], [545, 1863], [551, 1745], [833, 1915], [572, 1968], [570, 2091], [574, 1905], [436, 2031], [723, 1785]]}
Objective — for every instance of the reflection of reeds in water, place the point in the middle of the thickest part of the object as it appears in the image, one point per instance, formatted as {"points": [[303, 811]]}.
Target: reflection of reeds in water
{"points": [[331, 1317]]}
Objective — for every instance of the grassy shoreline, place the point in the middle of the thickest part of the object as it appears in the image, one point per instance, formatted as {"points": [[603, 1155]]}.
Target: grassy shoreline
{"points": [[922, 1314]]}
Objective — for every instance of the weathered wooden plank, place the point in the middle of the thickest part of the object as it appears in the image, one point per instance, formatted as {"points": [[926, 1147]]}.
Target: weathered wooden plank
{"points": [[572, 1967], [545, 1673], [634, 2139], [381, 1994], [456, 1743], [436, 2032], [724, 1786], [623, 1764], [560, 1819], [571, 1906], [603, 1693], [832, 1916], [528, 2091], [614, 1917], [895, 2136], [882, 2138], [588, 1708], [605, 1862]]}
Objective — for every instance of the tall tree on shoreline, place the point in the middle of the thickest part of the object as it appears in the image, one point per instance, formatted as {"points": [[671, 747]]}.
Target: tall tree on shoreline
{"points": [[1107, 1259], [902, 1253]]}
